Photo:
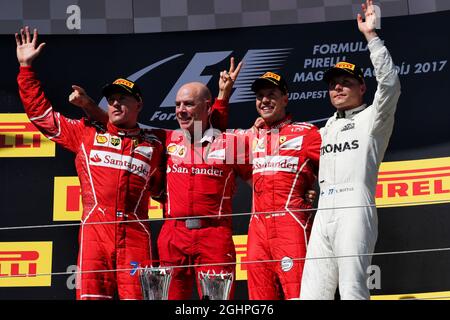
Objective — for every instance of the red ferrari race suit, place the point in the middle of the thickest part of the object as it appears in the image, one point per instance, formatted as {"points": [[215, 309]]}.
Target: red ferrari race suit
{"points": [[285, 163], [201, 180], [118, 169]]}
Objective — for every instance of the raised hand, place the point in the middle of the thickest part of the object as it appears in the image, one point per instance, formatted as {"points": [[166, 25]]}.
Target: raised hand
{"points": [[367, 27], [227, 78], [26, 46]]}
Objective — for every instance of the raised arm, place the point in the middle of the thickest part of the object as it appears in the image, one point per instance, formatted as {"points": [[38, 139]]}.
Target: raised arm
{"points": [[368, 25], [53, 125], [388, 83], [219, 110]]}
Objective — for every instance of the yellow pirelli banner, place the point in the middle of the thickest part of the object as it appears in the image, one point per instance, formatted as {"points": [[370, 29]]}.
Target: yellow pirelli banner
{"points": [[25, 264], [20, 138], [67, 201], [414, 182], [240, 244], [440, 295]]}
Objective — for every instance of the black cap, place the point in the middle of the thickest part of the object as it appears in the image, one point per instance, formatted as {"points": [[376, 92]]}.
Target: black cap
{"points": [[343, 67], [270, 78], [122, 85]]}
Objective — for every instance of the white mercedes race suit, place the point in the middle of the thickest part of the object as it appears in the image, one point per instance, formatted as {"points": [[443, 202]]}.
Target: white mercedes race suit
{"points": [[353, 146]]}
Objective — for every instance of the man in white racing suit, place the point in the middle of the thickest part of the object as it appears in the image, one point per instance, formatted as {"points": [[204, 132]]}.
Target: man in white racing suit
{"points": [[354, 141]]}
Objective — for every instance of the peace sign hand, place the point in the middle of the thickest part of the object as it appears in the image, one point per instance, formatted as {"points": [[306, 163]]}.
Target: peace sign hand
{"points": [[227, 78]]}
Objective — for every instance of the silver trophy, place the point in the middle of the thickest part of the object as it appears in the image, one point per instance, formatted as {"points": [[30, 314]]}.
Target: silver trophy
{"points": [[215, 286], [155, 282]]}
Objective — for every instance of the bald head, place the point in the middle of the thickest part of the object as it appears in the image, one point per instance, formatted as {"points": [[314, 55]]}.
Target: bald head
{"points": [[198, 89], [192, 102]]}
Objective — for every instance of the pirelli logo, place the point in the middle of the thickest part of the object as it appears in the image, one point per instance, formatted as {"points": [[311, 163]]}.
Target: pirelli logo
{"points": [[67, 199], [416, 182], [240, 244], [124, 82], [155, 210], [271, 75], [345, 65], [25, 264], [67, 204], [20, 138]]}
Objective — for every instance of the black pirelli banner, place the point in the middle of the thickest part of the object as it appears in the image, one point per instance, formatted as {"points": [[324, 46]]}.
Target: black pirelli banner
{"points": [[39, 186]]}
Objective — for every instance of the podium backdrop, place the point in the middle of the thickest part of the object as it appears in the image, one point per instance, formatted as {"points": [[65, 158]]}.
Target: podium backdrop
{"points": [[38, 180]]}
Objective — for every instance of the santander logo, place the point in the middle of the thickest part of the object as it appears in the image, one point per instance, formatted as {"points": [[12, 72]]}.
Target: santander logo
{"points": [[96, 158]]}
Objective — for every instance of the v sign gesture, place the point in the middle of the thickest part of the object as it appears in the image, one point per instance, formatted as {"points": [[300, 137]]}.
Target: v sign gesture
{"points": [[26, 47], [227, 78]]}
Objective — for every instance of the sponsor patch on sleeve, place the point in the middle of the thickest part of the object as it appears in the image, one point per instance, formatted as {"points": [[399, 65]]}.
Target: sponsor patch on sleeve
{"points": [[145, 151]]}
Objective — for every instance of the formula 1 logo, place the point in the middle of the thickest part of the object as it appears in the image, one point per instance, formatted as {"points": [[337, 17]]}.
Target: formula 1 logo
{"points": [[254, 61]]}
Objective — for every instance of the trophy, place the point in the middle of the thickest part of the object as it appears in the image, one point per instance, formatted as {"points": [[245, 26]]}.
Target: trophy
{"points": [[155, 282], [215, 286]]}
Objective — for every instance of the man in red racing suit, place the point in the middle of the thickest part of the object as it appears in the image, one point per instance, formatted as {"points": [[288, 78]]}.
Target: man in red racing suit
{"points": [[196, 189], [118, 166], [200, 181], [285, 164]]}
